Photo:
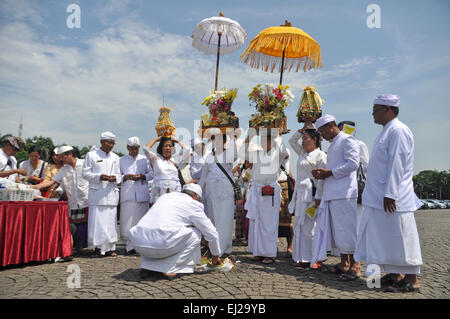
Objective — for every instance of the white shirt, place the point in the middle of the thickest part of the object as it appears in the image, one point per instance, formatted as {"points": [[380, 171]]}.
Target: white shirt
{"points": [[267, 165], [226, 159], [75, 186], [390, 169], [343, 161], [196, 166], [363, 156], [305, 164], [4, 167], [164, 169], [26, 165], [96, 164], [171, 221], [135, 190]]}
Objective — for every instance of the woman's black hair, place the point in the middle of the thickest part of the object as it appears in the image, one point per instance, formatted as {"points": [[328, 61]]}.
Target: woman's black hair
{"points": [[161, 143], [35, 148], [314, 134], [50, 157]]}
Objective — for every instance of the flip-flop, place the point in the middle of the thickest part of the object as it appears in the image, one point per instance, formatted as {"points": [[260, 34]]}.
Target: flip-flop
{"points": [[348, 276]]}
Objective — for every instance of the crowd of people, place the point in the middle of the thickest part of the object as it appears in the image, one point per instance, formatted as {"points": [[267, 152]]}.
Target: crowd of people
{"points": [[357, 207]]}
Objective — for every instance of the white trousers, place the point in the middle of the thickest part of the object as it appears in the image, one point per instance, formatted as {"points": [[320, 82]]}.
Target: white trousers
{"points": [[102, 232], [178, 259], [130, 214]]}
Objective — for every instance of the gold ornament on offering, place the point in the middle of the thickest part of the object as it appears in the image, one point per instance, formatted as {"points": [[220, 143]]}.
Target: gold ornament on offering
{"points": [[310, 108], [164, 127]]}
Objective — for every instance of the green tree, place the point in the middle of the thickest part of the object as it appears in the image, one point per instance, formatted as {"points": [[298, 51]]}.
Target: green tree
{"points": [[432, 184], [45, 144]]}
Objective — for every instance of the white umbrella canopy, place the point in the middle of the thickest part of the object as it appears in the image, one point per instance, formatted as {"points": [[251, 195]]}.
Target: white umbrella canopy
{"points": [[218, 35], [206, 35]]}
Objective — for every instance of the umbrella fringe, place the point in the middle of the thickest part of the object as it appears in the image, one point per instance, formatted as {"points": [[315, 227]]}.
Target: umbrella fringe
{"points": [[266, 53]]}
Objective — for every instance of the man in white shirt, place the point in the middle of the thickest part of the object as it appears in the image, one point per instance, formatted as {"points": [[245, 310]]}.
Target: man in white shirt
{"points": [[134, 194], [70, 179], [337, 218], [101, 168], [168, 236], [388, 234], [8, 163]]}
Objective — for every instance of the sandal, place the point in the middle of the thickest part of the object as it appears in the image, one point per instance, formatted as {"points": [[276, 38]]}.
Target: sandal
{"points": [[267, 261], [257, 258], [335, 269], [401, 286], [387, 280], [348, 276]]}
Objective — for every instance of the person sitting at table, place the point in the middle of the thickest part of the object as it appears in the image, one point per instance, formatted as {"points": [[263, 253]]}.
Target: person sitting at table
{"points": [[70, 178], [54, 165], [34, 166], [8, 163]]}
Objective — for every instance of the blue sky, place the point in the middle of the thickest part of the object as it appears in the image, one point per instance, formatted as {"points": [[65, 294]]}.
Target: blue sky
{"points": [[113, 72]]}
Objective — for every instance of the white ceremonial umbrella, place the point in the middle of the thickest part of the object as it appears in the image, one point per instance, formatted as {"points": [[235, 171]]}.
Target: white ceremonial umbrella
{"points": [[218, 35]]}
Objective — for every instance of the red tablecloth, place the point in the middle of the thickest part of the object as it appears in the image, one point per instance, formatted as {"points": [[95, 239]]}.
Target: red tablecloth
{"points": [[33, 231]]}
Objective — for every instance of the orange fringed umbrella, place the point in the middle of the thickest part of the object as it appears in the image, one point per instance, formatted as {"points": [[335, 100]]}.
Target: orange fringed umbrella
{"points": [[283, 47]]}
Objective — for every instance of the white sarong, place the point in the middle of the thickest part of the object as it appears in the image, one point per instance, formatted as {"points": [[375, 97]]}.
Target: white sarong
{"points": [[343, 221], [102, 232], [130, 214], [219, 207], [390, 240], [263, 214]]}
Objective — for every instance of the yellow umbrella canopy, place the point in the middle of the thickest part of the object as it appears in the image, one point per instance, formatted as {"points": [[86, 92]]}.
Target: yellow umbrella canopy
{"points": [[284, 48]]}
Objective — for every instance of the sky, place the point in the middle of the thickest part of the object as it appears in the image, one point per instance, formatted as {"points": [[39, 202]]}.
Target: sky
{"points": [[128, 57]]}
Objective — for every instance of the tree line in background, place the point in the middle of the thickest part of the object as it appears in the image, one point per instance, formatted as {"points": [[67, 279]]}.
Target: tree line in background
{"points": [[427, 184], [46, 145]]}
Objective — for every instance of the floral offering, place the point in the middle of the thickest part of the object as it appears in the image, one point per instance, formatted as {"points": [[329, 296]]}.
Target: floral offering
{"points": [[219, 105], [270, 102]]}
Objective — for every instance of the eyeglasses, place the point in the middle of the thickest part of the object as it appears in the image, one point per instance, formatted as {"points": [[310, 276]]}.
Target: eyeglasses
{"points": [[378, 107]]}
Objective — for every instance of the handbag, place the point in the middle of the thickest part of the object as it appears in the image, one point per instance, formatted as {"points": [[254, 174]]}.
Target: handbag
{"points": [[268, 191], [361, 179], [291, 183], [180, 176], [236, 188]]}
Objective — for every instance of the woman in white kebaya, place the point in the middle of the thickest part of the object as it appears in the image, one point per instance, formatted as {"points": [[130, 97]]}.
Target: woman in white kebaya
{"points": [[165, 166], [310, 157]]}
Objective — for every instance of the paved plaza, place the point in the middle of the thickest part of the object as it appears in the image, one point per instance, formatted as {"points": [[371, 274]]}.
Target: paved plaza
{"points": [[118, 277]]}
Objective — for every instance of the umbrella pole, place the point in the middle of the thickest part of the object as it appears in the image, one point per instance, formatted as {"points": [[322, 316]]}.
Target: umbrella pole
{"points": [[282, 66], [218, 57]]}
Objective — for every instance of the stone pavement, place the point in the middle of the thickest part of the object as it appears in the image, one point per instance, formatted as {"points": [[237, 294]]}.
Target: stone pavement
{"points": [[118, 277]]}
